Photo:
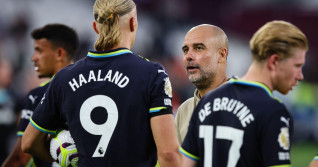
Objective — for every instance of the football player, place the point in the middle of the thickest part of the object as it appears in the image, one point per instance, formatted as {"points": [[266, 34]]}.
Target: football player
{"points": [[117, 105], [54, 48]]}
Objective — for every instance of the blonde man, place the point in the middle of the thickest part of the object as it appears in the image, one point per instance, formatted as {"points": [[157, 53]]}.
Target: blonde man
{"points": [[241, 124], [116, 104]]}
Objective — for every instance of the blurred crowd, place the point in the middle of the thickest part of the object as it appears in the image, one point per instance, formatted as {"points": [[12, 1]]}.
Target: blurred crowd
{"points": [[162, 26]]}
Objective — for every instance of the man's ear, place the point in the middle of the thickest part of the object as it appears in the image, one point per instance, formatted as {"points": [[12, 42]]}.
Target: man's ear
{"points": [[133, 24], [61, 54], [222, 55], [272, 62], [95, 27]]}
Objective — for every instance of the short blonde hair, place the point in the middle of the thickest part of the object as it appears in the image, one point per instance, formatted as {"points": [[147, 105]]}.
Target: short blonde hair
{"points": [[107, 13], [277, 37]]}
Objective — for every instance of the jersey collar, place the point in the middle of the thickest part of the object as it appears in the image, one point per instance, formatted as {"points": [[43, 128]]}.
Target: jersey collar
{"points": [[110, 53], [256, 84], [46, 82], [252, 83]]}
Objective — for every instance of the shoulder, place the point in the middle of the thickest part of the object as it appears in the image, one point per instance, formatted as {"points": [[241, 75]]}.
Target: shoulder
{"points": [[144, 62], [186, 104], [185, 108], [39, 89], [63, 73], [275, 107]]}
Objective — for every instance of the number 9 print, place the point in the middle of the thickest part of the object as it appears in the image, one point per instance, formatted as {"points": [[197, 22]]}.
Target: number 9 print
{"points": [[105, 130]]}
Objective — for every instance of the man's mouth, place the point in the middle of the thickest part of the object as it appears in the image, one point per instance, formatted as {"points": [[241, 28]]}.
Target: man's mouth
{"points": [[192, 68]]}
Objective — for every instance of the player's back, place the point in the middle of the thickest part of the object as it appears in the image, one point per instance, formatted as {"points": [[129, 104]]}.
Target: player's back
{"points": [[105, 99], [241, 125]]}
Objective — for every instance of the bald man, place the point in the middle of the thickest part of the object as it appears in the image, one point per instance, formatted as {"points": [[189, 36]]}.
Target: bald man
{"points": [[205, 51]]}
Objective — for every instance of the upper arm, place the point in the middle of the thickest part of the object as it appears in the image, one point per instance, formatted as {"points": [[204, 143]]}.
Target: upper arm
{"points": [[188, 162], [314, 162], [275, 132], [30, 137], [36, 143], [164, 133]]}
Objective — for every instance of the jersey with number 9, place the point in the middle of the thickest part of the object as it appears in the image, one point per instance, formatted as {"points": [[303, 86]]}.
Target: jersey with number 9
{"points": [[107, 100]]}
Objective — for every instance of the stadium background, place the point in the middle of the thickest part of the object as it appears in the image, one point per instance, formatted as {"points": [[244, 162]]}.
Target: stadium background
{"points": [[162, 26]]}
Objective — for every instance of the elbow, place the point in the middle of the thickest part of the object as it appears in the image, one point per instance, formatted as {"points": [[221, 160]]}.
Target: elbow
{"points": [[26, 146], [170, 157]]}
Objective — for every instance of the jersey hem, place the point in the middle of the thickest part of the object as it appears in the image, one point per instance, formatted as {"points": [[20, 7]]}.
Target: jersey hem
{"points": [[189, 155], [51, 132]]}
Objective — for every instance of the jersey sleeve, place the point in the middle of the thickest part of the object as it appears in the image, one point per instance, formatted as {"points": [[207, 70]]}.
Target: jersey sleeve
{"points": [[190, 145], [276, 130], [160, 92], [46, 116], [26, 114]]}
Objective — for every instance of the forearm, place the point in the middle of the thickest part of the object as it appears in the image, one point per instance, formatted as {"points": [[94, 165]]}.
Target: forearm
{"points": [[41, 150], [17, 158]]}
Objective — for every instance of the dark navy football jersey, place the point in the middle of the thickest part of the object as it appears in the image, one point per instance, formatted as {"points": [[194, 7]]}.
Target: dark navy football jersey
{"points": [[32, 99], [239, 124], [107, 100]]}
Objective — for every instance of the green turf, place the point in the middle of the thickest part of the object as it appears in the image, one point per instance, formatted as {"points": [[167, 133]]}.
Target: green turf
{"points": [[303, 153]]}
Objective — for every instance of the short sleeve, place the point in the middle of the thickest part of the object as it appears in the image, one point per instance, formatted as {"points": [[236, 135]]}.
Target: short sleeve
{"points": [[46, 117], [26, 114], [160, 92], [276, 137]]}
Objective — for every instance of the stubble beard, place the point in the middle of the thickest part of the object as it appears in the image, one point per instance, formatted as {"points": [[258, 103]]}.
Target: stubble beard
{"points": [[203, 80]]}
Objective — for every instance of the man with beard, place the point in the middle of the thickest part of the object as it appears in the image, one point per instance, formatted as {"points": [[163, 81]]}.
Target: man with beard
{"points": [[205, 51]]}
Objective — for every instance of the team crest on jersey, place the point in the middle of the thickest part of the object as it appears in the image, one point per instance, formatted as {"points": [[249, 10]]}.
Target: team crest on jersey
{"points": [[168, 88], [283, 138]]}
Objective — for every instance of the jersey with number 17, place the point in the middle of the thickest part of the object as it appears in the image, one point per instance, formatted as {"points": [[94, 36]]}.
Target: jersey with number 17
{"points": [[107, 100], [239, 124]]}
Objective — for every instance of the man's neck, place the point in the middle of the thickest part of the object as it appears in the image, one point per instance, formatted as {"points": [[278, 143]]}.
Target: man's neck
{"points": [[213, 86], [257, 74]]}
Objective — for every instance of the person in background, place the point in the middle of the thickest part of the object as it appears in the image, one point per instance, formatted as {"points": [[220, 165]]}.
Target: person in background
{"points": [[240, 123], [10, 106], [116, 104], [205, 51], [55, 46]]}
